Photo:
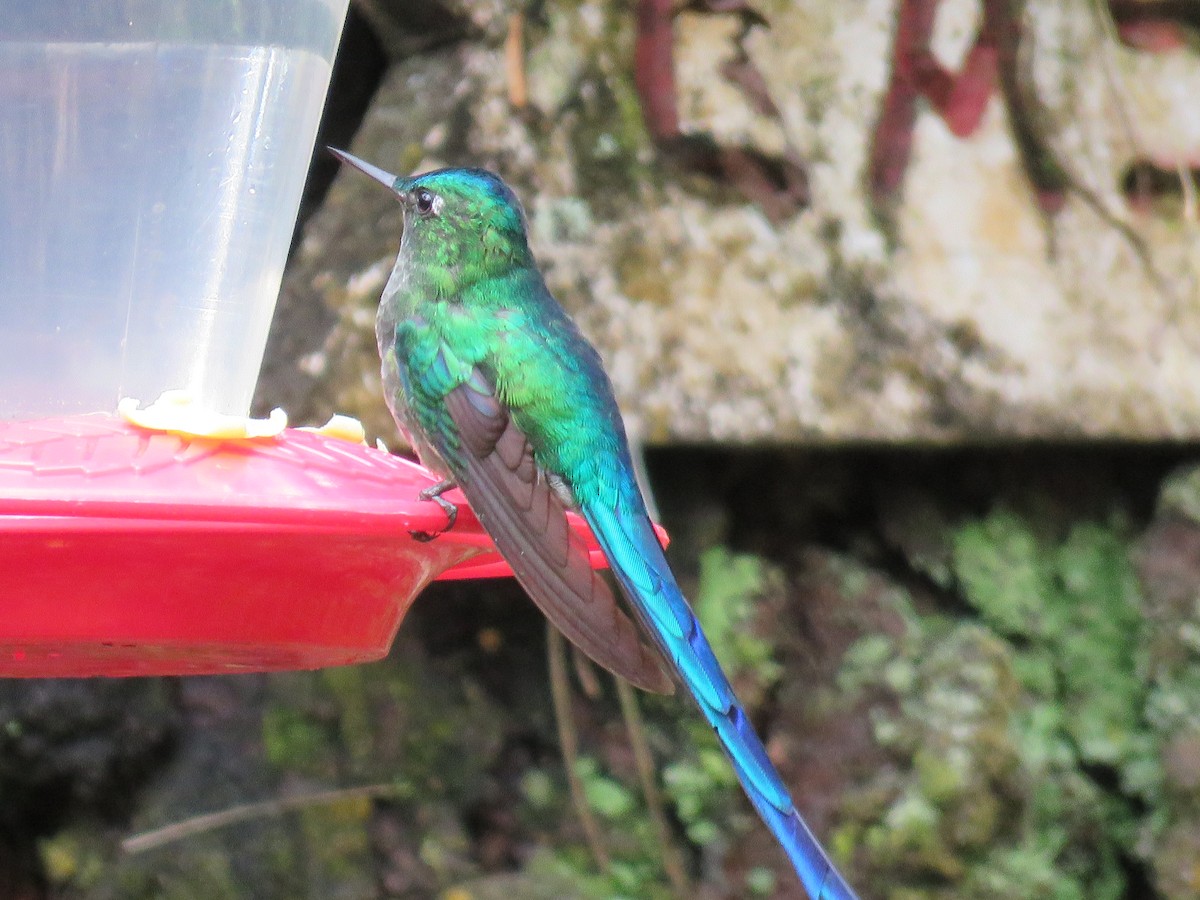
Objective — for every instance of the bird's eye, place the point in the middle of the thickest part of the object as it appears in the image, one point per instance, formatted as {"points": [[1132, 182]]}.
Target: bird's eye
{"points": [[425, 201]]}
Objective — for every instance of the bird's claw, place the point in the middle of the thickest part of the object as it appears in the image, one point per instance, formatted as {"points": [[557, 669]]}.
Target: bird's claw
{"points": [[434, 493]]}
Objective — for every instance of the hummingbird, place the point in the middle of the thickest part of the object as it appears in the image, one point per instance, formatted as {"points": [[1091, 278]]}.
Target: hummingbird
{"points": [[500, 394]]}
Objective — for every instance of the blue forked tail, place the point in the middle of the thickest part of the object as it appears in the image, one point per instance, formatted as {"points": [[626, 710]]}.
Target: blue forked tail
{"points": [[637, 561]]}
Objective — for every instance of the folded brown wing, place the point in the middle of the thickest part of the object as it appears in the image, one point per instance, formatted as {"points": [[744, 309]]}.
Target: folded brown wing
{"points": [[527, 519]]}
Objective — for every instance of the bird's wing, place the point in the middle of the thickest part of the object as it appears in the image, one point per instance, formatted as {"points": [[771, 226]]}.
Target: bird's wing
{"points": [[527, 519]]}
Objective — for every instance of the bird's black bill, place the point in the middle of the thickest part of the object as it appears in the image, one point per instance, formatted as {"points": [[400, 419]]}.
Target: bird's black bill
{"points": [[387, 179]]}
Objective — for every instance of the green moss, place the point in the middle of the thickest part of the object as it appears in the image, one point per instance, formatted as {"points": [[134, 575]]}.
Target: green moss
{"points": [[607, 145], [73, 858], [581, 79], [635, 868], [731, 587], [1076, 603], [606, 796], [1024, 758], [347, 685], [573, 877], [198, 869], [760, 882], [292, 740], [537, 788], [700, 784], [642, 270], [1002, 572], [1180, 494]]}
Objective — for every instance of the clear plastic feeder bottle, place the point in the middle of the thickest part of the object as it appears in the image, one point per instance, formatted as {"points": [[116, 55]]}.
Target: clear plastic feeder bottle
{"points": [[152, 156]]}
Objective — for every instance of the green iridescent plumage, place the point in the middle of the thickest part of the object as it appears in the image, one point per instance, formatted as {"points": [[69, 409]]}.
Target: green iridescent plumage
{"points": [[500, 394], [472, 296]]}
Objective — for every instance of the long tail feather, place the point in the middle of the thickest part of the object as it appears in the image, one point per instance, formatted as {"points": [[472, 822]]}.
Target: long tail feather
{"points": [[637, 561]]}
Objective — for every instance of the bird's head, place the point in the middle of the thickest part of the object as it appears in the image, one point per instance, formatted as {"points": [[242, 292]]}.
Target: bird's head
{"points": [[466, 220]]}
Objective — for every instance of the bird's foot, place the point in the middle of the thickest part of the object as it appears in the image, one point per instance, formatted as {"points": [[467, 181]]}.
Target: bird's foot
{"points": [[434, 493]]}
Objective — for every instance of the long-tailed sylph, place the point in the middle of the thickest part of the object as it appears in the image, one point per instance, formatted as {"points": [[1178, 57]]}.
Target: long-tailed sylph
{"points": [[500, 394]]}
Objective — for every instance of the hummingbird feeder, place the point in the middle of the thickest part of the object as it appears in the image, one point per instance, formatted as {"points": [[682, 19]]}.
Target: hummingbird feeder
{"points": [[145, 219]]}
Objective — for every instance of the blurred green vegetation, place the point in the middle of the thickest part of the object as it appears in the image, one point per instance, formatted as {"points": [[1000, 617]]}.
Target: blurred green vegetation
{"points": [[1028, 696]]}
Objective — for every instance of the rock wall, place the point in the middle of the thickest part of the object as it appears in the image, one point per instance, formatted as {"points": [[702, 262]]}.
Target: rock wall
{"points": [[809, 222]]}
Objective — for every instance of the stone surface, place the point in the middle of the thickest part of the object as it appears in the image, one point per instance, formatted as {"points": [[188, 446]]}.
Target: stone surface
{"points": [[959, 310]]}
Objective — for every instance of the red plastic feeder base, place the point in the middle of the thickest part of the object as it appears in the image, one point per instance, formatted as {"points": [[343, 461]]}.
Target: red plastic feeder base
{"points": [[127, 552]]}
